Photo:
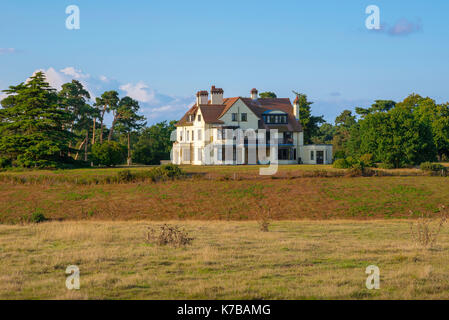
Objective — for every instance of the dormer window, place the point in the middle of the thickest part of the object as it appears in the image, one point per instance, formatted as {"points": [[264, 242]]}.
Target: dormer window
{"points": [[199, 118], [275, 118]]}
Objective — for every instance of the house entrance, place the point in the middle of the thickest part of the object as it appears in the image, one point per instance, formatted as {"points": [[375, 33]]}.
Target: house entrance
{"points": [[319, 157]]}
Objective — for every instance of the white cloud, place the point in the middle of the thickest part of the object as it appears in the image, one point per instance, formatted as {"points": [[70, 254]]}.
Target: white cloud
{"points": [[140, 91], [77, 74], [154, 106], [54, 78], [7, 50]]}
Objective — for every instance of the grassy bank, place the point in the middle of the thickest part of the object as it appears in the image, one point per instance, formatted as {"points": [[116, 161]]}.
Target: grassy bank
{"points": [[203, 199], [227, 260]]}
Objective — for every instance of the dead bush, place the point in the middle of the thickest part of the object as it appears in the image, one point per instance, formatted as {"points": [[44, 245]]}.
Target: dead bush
{"points": [[264, 214], [169, 235], [428, 226]]}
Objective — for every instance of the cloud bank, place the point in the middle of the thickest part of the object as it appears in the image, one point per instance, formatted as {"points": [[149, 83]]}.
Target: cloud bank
{"points": [[155, 106], [7, 50], [402, 27]]}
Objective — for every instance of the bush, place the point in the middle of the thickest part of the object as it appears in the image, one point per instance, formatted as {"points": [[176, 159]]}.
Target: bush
{"points": [[109, 153], [37, 217], [427, 228], [341, 164], [339, 155], [125, 176], [386, 165], [433, 167], [171, 170], [169, 235], [5, 162], [367, 160]]}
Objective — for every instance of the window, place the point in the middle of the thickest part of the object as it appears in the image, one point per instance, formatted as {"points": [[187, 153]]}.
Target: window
{"points": [[234, 117], [288, 137], [193, 135], [283, 154], [244, 117], [279, 118], [199, 135], [199, 155], [283, 119], [199, 118], [180, 135], [311, 155]]}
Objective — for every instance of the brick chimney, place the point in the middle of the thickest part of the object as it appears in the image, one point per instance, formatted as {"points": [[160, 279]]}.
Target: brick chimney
{"points": [[202, 97], [296, 108], [216, 95], [254, 94]]}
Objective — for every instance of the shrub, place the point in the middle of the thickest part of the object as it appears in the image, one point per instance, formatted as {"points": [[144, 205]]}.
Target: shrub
{"points": [[125, 176], [352, 161], [433, 167], [385, 165], [264, 218], [37, 217], [341, 164], [109, 153], [169, 235], [5, 162], [427, 228], [339, 155], [367, 160], [171, 171]]}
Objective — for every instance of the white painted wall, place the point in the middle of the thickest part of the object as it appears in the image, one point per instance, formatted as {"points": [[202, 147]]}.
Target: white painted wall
{"points": [[239, 107]]}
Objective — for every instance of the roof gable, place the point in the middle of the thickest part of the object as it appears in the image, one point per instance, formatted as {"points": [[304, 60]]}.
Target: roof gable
{"points": [[212, 113]]}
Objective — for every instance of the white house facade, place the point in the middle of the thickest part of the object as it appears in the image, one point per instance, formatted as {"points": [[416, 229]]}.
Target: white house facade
{"points": [[241, 130]]}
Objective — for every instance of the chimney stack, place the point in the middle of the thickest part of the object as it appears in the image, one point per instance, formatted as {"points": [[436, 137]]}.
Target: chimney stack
{"points": [[216, 95], [254, 94], [202, 97], [296, 108]]}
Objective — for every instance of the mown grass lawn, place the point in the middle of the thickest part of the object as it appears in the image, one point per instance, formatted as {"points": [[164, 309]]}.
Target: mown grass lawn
{"points": [[227, 260]]}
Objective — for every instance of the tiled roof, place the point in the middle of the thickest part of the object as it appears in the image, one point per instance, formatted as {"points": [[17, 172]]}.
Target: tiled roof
{"points": [[213, 113]]}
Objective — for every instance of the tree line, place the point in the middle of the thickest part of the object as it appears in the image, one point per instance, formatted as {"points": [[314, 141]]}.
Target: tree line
{"points": [[393, 134], [41, 127]]}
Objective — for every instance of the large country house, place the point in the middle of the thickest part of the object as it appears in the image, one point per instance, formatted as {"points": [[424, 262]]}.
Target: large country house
{"points": [[228, 130]]}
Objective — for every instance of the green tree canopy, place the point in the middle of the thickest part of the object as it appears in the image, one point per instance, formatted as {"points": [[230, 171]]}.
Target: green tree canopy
{"points": [[33, 126], [310, 123], [398, 136], [343, 124], [267, 94], [154, 143]]}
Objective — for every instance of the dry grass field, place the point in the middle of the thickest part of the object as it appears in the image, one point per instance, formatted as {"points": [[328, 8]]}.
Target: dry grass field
{"points": [[203, 199], [326, 228], [226, 260]]}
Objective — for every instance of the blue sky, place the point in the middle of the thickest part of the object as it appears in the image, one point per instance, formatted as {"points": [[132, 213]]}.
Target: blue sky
{"points": [[162, 52]]}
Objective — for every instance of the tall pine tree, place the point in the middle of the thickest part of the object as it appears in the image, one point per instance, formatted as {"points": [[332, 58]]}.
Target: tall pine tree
{"points": [[33, 126]]}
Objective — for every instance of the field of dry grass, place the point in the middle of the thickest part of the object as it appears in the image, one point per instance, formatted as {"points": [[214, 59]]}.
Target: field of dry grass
{"points": [[326, 229], [203, 199], [227, 260]]}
